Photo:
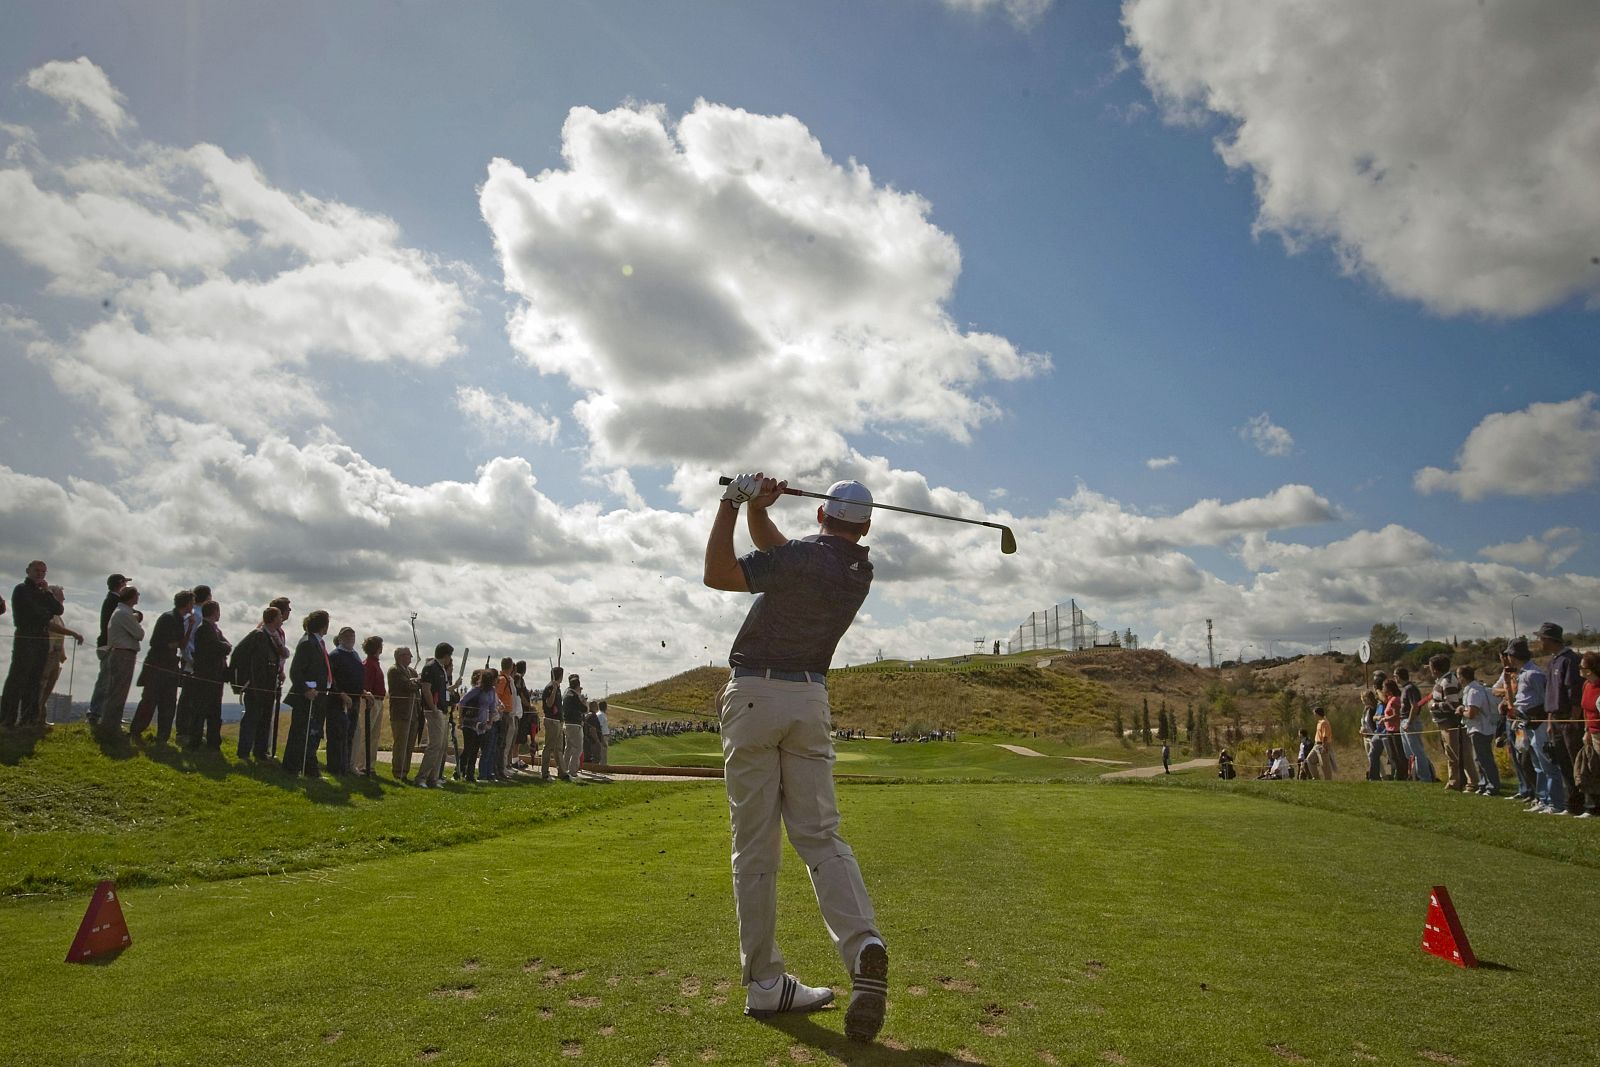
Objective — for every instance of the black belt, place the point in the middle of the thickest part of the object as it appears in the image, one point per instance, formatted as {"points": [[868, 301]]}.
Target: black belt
{"points": [[781, 676]]}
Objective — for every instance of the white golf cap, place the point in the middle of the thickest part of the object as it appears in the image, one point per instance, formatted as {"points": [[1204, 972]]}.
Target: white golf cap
{"points": [[854, 504]]}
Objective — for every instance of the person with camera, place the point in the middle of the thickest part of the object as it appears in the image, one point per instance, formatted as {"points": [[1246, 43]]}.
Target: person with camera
{"points": [[1445, 709], [1481, 720], [32, 609]]}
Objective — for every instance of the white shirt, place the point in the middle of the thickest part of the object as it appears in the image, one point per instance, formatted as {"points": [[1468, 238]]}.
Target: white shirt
{"points": [[1476, 699], [605, 728]]}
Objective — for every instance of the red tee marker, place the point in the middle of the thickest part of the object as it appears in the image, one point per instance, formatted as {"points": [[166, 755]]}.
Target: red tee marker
{"points": [[1442, 935], [103, 929]]}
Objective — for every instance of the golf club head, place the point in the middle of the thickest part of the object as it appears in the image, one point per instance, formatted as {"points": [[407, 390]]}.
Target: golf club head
{"points": [[1008, 541]]}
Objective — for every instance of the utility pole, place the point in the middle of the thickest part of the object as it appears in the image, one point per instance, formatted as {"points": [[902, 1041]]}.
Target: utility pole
{"points": [[1211, 652]]}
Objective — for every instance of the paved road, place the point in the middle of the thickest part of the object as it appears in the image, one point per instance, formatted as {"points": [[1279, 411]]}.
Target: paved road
{"points": [[1021, 751]]}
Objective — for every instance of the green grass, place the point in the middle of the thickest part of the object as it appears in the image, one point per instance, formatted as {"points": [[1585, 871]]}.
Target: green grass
{"points": [[976, 758], [158, 816], [1086, 923]]}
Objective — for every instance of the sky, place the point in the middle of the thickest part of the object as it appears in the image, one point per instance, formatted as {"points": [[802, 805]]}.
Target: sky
{"points": [[1276, 316]]}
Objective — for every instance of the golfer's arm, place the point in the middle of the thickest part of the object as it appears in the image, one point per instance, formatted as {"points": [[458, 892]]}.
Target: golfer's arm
{"points": [[722, 569], [763, 531]]}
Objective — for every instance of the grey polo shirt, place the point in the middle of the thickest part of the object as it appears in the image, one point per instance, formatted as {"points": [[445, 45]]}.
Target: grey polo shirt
{"points": [[808, 593]]}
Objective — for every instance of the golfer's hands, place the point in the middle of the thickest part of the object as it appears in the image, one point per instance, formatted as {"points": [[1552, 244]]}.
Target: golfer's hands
{"points": [[771, 489], [743, 488]]}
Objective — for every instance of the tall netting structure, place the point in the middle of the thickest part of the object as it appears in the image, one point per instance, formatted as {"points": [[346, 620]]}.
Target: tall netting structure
{"points": [[1070, 629]]}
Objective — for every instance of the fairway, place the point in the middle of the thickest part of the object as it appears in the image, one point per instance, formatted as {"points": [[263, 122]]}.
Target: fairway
{"points": [[1028, 922]]}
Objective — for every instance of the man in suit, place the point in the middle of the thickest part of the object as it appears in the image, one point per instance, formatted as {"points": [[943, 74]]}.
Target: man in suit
{"points": [[310, 678], [32, 608]]}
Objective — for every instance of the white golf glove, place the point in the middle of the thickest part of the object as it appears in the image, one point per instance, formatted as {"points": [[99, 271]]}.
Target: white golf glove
{"points": [[742, 488]]}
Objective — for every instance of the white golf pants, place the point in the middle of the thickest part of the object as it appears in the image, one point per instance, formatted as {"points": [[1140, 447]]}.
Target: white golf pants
{"points": [[777, 749]]}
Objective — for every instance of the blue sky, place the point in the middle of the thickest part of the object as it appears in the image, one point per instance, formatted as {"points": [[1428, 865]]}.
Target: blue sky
{"points": [[1141, 285]]}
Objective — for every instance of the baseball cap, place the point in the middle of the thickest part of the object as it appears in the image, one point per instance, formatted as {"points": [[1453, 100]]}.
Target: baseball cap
{"points": [[116, 580], [854, 504], [1551, 631]]}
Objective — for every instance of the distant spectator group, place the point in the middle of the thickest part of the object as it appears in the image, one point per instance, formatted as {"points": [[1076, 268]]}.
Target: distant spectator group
{"points": [[335, 695], [1544, 718]]}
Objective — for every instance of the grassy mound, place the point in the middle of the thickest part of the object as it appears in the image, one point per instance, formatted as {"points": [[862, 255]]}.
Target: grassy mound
{"points": [[1027, 923], [74, 813]]}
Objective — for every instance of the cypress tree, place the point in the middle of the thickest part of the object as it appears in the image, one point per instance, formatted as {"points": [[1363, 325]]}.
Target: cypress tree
{"points": [[1188, 724], [1117, 727]]}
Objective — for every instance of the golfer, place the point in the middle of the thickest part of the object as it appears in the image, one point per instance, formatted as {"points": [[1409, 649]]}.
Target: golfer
{"points": [[777, 741]]}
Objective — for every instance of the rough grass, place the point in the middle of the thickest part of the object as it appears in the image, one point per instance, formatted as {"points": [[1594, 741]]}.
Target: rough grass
{"points": [[1028, 924]]}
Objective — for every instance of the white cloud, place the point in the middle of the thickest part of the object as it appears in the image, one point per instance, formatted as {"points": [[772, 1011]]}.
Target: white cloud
{"points": [[1542, 450], [1024, 13], [497, 415], [1269, 438], [1161, 463], [724, 293], [1543, 552], [1447, 150], [81, 86], [205, 285]]}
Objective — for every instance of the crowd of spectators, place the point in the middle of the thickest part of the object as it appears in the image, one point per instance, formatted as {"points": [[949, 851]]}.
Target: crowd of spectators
{"points": [[1543, 719], [336, 696]]}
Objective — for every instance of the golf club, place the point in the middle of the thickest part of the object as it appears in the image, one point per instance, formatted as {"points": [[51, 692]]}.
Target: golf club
{"points": [[1008, 540]]}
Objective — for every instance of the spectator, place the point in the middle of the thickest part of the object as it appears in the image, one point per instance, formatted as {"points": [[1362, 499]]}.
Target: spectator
{"points": [[435, 696], [202, 593], [1586, 766], [1225, 769], [1482, 722], [507, 704], [591, 736], [604, 756], [527, 721], [309, 696], [1393, 720], [550, 705], [32, 608], [1563, 704], [369, 724], [1371, 734], [1549, 789], [1320, 762], [477, 720], [124, 634], [573, 708], [55, 658], [200, 709], [1411, 741], [114, 586], [405, 706], [1445, 709], [349, 683], [1514, 732], [255, 669], [162, 670]]}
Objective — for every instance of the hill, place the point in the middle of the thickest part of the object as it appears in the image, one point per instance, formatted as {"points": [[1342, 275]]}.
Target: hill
{"points": [[1049, 691]]}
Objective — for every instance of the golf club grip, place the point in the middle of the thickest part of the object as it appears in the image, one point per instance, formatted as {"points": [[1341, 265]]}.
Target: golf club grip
{"points": [[725, 480]]}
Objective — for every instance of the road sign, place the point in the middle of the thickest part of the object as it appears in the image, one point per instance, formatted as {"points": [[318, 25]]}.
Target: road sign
{"points": [[1365, 651]]}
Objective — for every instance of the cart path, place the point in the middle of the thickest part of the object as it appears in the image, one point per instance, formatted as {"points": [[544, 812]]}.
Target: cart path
{"points": [[1151, 772], [1021, 751]]}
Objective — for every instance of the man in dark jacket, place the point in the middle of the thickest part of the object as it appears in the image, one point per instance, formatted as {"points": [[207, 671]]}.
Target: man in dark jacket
{"points": [[32, 608], [114, 586], [254, 672], [1563, 701], [550, 707], [574, 705], [310, 677], [436, 710], [159, 676], [200, 709], [349, 681]]}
